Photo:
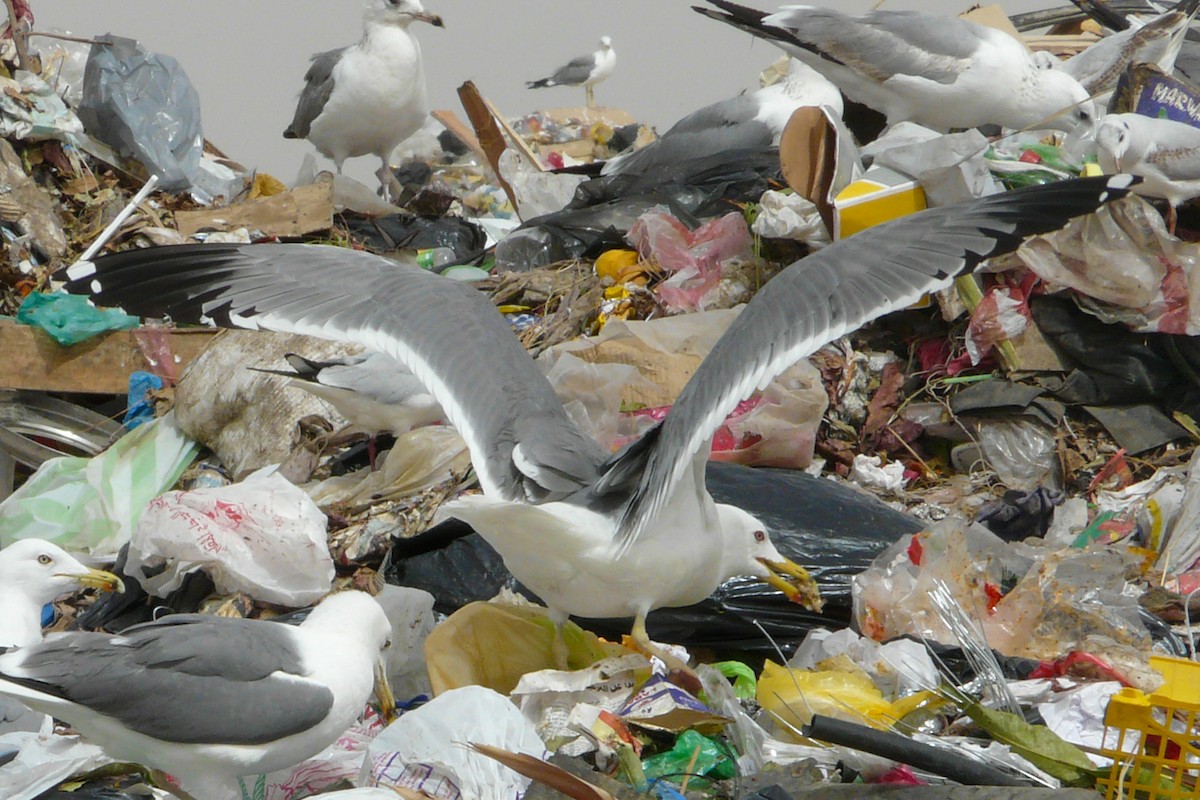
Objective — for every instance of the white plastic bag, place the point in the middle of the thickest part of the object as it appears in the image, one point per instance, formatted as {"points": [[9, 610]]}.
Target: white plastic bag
{"points": [[427, 750], [263, 536]]}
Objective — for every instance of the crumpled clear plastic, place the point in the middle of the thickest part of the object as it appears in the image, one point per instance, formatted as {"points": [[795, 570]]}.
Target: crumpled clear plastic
{"points": [[1059, 600], [694, 257], [787, 215], [950, 167], [999, 316], [143, 105]]}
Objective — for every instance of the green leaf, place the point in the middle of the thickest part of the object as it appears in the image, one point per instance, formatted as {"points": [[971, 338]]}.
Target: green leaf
{"points": [[1041, 746]]}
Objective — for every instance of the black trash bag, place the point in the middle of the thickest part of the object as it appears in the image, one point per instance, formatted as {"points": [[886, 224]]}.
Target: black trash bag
{"points": [[464, 237], [1130, 381], [143, 106], [115, 612], [832, 530], [604, 209]]}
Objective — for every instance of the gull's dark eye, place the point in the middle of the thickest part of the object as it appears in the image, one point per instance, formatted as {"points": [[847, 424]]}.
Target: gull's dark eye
{"points": [[44, 559], [1083, 115], [387, 644], [760, 536]]}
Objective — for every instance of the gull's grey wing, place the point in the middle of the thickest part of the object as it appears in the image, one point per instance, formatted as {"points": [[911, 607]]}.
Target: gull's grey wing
{"points": [[826, 295], [879, 44], [717, 128], [318, 85], [575, 72], [522, 443], [189, 679]]}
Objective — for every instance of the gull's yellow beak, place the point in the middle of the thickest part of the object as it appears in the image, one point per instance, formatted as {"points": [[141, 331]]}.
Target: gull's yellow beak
{"points": [[383, 693], [798, 585], [97, 579]]}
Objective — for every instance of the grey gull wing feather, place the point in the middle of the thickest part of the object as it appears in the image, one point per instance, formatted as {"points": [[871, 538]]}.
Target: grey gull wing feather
{"points": [[826, 295], [376, 376], [447, 333], [318, 86], [717, 128], [574, 72], [880, 44], [190, 679]]}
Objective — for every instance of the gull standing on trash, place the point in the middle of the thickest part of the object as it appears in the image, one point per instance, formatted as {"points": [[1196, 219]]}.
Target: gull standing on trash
{"points": [[209, 699], [33, 573], [585, 71], [747, 121], [591, 533], [373, 391], [940, 72], [367, 98], [1157, 42], [1163, 152]]}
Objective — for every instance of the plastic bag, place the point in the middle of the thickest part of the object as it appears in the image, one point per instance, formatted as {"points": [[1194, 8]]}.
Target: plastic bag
{"points": [[30, 110], [694, 257], [143, 105], [44, 762], [94, 504], [999, 316], [538, 193], [69, 318], [950, 167], [263, 536], [423, 750], [787, 215]]}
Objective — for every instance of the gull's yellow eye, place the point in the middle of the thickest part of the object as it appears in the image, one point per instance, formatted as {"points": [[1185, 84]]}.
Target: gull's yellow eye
{"points": [[44, 559]]}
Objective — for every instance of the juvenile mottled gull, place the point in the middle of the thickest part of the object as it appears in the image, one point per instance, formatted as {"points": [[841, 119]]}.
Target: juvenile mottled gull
{"points": [[208, 699], [367, 98], [1163, 152], [941, 72], [591, 533], [1157, 42], [585, 71], [740, 123]]}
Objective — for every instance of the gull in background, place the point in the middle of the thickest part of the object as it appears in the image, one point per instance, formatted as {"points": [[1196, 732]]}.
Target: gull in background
{"points": [[1163, 152], [585, 71], [591, 533], [367, 98]]}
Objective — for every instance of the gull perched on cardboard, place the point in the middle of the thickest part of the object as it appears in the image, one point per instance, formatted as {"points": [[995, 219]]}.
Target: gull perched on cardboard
{"points": [[367, 98], [585, 71], [940, 72], [591, 533]]}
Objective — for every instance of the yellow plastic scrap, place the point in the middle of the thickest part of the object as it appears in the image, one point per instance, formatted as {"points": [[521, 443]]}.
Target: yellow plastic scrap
{"points": [[266, 186], [794, 695], [621, 266]]}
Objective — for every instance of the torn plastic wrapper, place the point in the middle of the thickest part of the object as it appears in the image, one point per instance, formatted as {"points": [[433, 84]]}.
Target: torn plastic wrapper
{"points": [[1122, 255], [784, 215], [998, 317], [537, 192], [423, 749], [95, 504], [832, 530], [143, 105], [262, 536], [30, 110], [950, 167], [695, 258], [44, 762], [1060, 599]]}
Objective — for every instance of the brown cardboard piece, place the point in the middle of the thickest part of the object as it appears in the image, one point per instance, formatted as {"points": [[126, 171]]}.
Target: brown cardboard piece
{"points": [[97, 366], [993, 16], [808, 157], [305, 209]]}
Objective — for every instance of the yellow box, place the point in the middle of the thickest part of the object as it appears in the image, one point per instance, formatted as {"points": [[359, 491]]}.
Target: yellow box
{"points": [[1154, 739], [878, 196]]}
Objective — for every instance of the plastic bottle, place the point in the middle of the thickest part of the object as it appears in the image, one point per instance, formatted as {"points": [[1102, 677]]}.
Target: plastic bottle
{"points": [[435, 258]]}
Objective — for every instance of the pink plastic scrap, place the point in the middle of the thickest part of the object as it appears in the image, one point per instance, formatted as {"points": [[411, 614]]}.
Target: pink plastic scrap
{"points": [[1002, 314], [694, 257]]}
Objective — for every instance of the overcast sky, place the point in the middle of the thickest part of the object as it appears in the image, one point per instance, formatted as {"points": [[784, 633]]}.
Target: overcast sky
{"points": [[247, 58]]}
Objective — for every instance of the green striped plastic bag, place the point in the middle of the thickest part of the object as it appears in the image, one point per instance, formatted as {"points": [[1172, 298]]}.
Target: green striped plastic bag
{"points": [[93, 504]]}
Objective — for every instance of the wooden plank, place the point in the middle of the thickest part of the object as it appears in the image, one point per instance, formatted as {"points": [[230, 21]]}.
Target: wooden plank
{"points": [[490, 136], [98, 366], [305, 209]]}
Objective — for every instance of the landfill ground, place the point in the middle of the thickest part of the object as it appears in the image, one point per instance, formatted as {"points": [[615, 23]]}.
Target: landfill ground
{"points": [[991, 488]]}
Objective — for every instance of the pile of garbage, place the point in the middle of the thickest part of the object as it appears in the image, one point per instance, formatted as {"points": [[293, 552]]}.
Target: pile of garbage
{"points": [[996, 490]]}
